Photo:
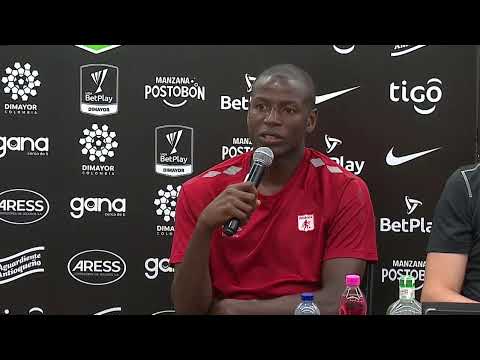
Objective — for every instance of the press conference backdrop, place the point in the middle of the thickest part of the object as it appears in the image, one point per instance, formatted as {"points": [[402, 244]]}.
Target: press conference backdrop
{"points": [[96, 142]]}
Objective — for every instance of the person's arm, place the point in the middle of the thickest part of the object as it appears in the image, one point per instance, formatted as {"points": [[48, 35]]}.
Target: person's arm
{"points": [[191, 289], [351, 242], [444, 278], [449, 244], [327, 299]]}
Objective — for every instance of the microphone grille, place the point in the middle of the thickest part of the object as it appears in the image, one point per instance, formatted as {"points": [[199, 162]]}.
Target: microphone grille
{"points": [[263, 155]]}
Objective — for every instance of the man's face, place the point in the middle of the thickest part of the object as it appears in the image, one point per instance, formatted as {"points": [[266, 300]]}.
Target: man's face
{"points": [[279, 117]]}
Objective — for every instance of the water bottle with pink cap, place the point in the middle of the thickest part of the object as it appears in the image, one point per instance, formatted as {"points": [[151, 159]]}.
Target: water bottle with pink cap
{"points": [[352, 301]]}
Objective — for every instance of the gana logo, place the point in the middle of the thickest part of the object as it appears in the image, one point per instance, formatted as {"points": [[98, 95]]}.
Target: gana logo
{"points": [[22, 206], [407, 225], [428, 97], [96, 267], [153, 265], [38, 146], [79, 205], [344, 49]]}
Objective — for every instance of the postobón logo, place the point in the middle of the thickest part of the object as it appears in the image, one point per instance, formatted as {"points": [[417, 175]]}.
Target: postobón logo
{"points": [[32, 147], [166, 203], [399, 50], [354, 166], [407, 225], [21, 264], [414, 268], [22, 206], [109, 208], [344, 49], [98, 144], [99, 89], [174, 150], [21, 84], [96, 267], [153, 265], [424, 99], [97, 49], [175, 91], [240, 145], [229, 103]]}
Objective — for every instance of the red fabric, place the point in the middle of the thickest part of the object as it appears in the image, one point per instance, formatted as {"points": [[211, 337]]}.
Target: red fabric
{"points": [[270, 256]]}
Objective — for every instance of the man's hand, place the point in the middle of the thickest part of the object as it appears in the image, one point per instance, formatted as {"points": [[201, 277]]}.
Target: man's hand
{"points": [[236, 201]]}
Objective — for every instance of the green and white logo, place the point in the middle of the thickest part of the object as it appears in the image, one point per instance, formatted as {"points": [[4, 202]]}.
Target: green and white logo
{"points": [[97, 49]]}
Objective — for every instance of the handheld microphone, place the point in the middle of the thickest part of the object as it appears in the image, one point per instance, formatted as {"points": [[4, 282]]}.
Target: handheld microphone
{"points": [[262, 158]]}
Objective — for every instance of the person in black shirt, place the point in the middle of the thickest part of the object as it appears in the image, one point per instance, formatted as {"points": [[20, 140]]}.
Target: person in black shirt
{"points": [[453, 252]]}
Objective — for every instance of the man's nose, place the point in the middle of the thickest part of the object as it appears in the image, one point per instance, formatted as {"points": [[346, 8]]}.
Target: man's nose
{"points": [[273, 117]]}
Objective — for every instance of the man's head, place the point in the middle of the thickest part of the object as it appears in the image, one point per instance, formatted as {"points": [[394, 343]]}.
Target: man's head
{"points": [[281, 110]]}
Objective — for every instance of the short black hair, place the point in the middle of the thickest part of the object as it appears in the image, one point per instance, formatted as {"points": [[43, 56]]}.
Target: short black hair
{"points": [[290, 71]]}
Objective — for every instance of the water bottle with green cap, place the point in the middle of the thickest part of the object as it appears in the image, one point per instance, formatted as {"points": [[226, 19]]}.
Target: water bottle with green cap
{"points": [[406, 304]]}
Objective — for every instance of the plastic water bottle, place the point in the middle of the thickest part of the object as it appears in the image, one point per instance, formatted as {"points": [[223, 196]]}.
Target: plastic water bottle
{"points": [[406, 304], [307, 306], [352, 301]]}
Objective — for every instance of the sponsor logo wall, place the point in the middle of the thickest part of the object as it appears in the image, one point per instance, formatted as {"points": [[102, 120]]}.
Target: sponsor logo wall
{"points": [[93, 157]]}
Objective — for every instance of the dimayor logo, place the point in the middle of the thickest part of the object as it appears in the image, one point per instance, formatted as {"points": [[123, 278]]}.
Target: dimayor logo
{"points": [[32, 147], [21, 264], [407, 225], [22, 206], [154, 265], [240, 145], [414, 268], [99, 89], [96, 267], [175, 91], [21, 84], [354, 166], [166, 203], [344, 49], [399, 50], [174, 150], [424, 99], [109, 208], [98, 145], [97, 49], [229, 103]]}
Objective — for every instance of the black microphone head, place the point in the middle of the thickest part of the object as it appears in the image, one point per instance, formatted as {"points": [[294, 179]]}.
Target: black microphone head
{"points": [[264, 156]]}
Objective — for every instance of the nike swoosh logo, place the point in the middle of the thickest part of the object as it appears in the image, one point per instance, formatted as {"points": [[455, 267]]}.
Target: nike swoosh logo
{"points": [[322, 98], [393, 160]]}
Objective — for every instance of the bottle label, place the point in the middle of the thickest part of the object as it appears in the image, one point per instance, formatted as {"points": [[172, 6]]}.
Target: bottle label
{"points": [[407, 293]]}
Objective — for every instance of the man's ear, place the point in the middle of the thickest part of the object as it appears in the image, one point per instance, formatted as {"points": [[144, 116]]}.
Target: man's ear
{"points": [[311, 121]]}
